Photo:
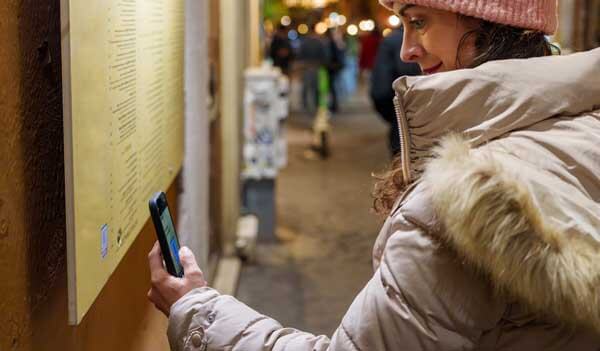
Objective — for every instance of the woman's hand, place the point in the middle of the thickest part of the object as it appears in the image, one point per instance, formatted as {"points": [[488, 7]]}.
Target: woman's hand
{"points": [[167, 289]]}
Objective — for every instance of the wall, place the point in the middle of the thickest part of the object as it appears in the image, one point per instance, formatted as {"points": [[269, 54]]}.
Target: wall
{"points": [[579, 25], [33, 307], [254, 32], [239, 47], [565, 32], [193, 228], [232, 59]]}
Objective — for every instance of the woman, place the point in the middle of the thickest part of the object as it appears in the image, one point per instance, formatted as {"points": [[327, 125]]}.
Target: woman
{"points": [[492, 240]]}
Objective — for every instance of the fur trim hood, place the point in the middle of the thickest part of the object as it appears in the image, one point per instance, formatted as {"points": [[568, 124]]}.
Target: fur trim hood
{"points": [[537, 238]]}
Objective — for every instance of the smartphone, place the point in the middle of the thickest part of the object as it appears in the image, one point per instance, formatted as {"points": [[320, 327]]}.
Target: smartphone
{"points": [[165, 231]]}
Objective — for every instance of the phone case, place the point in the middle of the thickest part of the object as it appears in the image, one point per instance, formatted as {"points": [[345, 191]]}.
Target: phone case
{"points": [[157, 204]]}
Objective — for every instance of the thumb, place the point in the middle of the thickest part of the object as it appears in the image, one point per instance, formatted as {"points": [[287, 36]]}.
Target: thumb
{"points": [[188, 260]]}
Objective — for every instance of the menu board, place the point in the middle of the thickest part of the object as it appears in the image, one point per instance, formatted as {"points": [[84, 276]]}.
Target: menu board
{"points": [[123, 117]]}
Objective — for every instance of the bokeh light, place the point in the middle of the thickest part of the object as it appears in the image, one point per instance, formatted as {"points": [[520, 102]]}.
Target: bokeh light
{"points": [[366, 25], [292, 35], [303, 29], [394, 20], [352, 29], [286, 21], [321, 28]]}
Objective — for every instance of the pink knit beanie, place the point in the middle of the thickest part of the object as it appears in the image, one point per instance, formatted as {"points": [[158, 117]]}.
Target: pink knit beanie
{"points": [[530, 14]]}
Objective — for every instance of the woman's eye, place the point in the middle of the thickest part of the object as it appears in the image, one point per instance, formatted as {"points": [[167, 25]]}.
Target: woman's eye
{"points": [[417, 24]]}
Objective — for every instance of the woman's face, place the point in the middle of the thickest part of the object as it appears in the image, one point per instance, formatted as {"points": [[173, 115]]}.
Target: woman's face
{"points": [[431, 38]]}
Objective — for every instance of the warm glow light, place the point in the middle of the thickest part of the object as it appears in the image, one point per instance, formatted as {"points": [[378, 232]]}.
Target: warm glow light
{"points": [[330, 23], [321, 28], [366, 25], [341, 20], [362, 25], [370, 25], [352, 29], [286, 20], [394, 20], [303, 29], [387, 32]]}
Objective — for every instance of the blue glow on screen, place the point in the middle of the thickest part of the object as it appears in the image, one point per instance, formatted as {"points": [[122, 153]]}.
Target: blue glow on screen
{"points": [[169, 228]]}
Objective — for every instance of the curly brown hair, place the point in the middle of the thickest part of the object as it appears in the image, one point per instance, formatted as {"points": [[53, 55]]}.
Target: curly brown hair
{"points": [[493, 41]]}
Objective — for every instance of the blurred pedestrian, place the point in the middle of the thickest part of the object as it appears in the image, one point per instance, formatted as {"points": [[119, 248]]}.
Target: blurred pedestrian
{"points": [[388, 66], [349, 74], [311, 56], [369, 43], [335, 63], [281, 50], [492, 237]]}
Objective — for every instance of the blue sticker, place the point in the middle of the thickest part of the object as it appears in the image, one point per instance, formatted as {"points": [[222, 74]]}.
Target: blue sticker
{"points": [[104, 244]]}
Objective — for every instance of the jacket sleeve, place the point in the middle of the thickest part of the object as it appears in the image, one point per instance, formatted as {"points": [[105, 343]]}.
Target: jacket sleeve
{"points": [[205, 320], [420, 298]]}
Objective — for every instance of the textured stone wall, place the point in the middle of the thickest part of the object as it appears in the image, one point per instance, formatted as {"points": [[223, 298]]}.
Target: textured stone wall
{"points": [[41, 155], [32, 199], [13, 321]]}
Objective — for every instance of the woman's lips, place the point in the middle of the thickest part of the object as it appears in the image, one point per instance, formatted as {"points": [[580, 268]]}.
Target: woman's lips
{"points": [[432, 69]]}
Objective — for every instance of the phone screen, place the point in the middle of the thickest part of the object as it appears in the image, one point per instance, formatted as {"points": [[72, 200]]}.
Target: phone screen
{"points": [[169, 228]]}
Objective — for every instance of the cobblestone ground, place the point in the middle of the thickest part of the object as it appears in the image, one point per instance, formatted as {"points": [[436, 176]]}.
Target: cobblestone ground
{"points": [[325, 225]]}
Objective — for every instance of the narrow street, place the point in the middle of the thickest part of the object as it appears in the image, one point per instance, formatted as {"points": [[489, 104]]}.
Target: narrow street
{"points": [[325, 224]]}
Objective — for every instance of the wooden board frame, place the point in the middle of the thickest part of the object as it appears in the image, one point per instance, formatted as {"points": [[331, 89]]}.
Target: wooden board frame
{"points": [[93, 254]]}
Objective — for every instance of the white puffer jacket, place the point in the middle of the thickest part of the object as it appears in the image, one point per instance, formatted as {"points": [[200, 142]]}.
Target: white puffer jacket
{"points": [[496, 244]]}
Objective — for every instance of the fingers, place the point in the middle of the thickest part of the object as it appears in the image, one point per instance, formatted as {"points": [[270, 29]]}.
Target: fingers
{"points": [[155, 262], [154, 257], [188, 260], [192, 271]]}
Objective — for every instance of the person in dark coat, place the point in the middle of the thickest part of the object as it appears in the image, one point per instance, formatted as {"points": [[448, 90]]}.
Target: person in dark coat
{"points": [[281, 50], [311, 56], [335, 64], [388, 67]]}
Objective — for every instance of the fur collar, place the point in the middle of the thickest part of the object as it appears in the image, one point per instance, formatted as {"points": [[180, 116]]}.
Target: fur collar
{"points": [[491, 219]]}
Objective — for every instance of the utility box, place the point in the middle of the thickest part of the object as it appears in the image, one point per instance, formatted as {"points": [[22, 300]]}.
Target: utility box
{"points": [[266, 106]]}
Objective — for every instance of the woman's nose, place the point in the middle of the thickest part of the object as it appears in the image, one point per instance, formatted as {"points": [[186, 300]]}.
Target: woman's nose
{"points": [[411, 51]]}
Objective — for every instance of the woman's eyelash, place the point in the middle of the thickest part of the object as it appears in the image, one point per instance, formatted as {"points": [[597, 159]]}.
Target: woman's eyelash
{"points": [[417, 23]]}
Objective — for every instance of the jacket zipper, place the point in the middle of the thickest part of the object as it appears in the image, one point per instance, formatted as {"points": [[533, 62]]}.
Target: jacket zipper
{"points": [[404, 139]]}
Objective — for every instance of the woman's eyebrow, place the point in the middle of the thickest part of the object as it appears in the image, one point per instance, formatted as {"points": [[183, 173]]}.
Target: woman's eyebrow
{"points": [[403, 9]]}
